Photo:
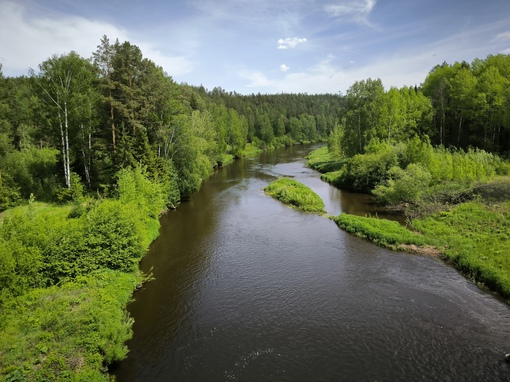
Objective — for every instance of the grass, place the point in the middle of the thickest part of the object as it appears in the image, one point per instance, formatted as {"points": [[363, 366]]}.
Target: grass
{"points": [[473, 237], [250, 150], [322, 161], [39, 208], [69, 332], [73, 330], [330, 168], [385, 233], [296, 195]]}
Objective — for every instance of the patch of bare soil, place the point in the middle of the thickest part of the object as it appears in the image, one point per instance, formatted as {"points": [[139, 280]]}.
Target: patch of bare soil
{"points": [[426, 250]]}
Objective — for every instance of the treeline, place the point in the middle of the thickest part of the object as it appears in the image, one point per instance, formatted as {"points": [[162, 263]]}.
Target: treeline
{"points": [[461, 105], [78, 121], [439, 138]]}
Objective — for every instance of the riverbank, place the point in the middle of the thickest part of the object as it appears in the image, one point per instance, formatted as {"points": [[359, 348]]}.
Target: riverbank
{"points": [[471, 234], [66, 276], [67, 273]]}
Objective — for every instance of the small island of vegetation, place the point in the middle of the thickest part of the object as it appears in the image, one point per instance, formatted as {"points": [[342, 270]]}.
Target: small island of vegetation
{"points": [[295, 194]]}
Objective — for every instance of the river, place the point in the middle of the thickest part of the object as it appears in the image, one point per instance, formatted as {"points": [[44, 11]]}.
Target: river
{"points": [[247, 289]]}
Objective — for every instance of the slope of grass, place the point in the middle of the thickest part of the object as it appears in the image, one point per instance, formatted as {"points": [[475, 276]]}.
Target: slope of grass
{"points": [[322, 161]]}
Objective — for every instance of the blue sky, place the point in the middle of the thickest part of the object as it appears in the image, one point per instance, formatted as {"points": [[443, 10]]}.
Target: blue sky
{"points": [[266, 46]]}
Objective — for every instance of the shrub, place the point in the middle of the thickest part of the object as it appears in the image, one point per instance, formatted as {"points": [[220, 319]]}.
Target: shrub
{"points": [[404, 185], [114, 237], [10, 195], [73, 193], [363, 172], [134, 187], [67, 333]]}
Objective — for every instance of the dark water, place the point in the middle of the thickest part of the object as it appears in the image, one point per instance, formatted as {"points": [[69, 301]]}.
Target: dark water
{"points": [[247, 289]]}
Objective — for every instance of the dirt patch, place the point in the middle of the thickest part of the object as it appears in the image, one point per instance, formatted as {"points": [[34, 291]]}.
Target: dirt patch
{"points": [[426, 250]]}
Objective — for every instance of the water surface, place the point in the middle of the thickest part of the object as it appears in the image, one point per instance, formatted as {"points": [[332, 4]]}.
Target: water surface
{"points": [[248, 289]]}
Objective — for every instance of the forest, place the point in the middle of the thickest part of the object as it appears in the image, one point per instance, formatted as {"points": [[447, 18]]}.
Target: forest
{"points": [[92, 150]]}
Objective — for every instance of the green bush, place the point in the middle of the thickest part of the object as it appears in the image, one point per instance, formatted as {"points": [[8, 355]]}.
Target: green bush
{"points": [[67, 333], [113, 237], [33, 171], [404, 185], [363, 172], [10, 195], [73, 193], [503, 168], [134, 187]]}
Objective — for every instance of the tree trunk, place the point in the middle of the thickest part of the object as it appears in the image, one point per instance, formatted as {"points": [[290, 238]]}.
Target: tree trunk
{"points": [[68, 167], [86, 157], [64, 154], [113, 127], [460, 129]]}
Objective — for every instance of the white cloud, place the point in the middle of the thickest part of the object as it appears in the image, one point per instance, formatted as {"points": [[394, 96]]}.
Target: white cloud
{"points": [[506, 51], [255, 78], [406, 67], [505, 36], [173, 65], [355, 8], [284, 68], [286, 43], [33, 40]]}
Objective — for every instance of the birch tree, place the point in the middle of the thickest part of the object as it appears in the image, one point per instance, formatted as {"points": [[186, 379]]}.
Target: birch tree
{"points": [[64, 84]]}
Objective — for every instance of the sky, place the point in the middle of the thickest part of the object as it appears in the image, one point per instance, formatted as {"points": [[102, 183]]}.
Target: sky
{"points": [[263, 46]]}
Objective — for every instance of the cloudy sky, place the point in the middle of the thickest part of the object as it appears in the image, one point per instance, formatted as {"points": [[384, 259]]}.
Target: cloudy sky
{"points": [[266, 46]]}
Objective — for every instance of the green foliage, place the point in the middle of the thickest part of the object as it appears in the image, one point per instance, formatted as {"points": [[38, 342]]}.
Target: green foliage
{"points": [[114, 237], [503, 168], [403, 185], [134, 187], [72, 194], [47, 246], [250, 150], [295, 194], [335, 143], [33, 171], [475, 238], [383, 232], [323, 161], [9, 193], [67, 333], [363, 172]]}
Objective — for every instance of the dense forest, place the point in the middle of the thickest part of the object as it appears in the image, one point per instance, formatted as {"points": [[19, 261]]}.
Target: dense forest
{"points": [[76, 122], [93, 149]]}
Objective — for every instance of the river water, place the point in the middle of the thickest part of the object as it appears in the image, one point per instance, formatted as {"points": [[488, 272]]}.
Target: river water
{"points": [[247, 289]]}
